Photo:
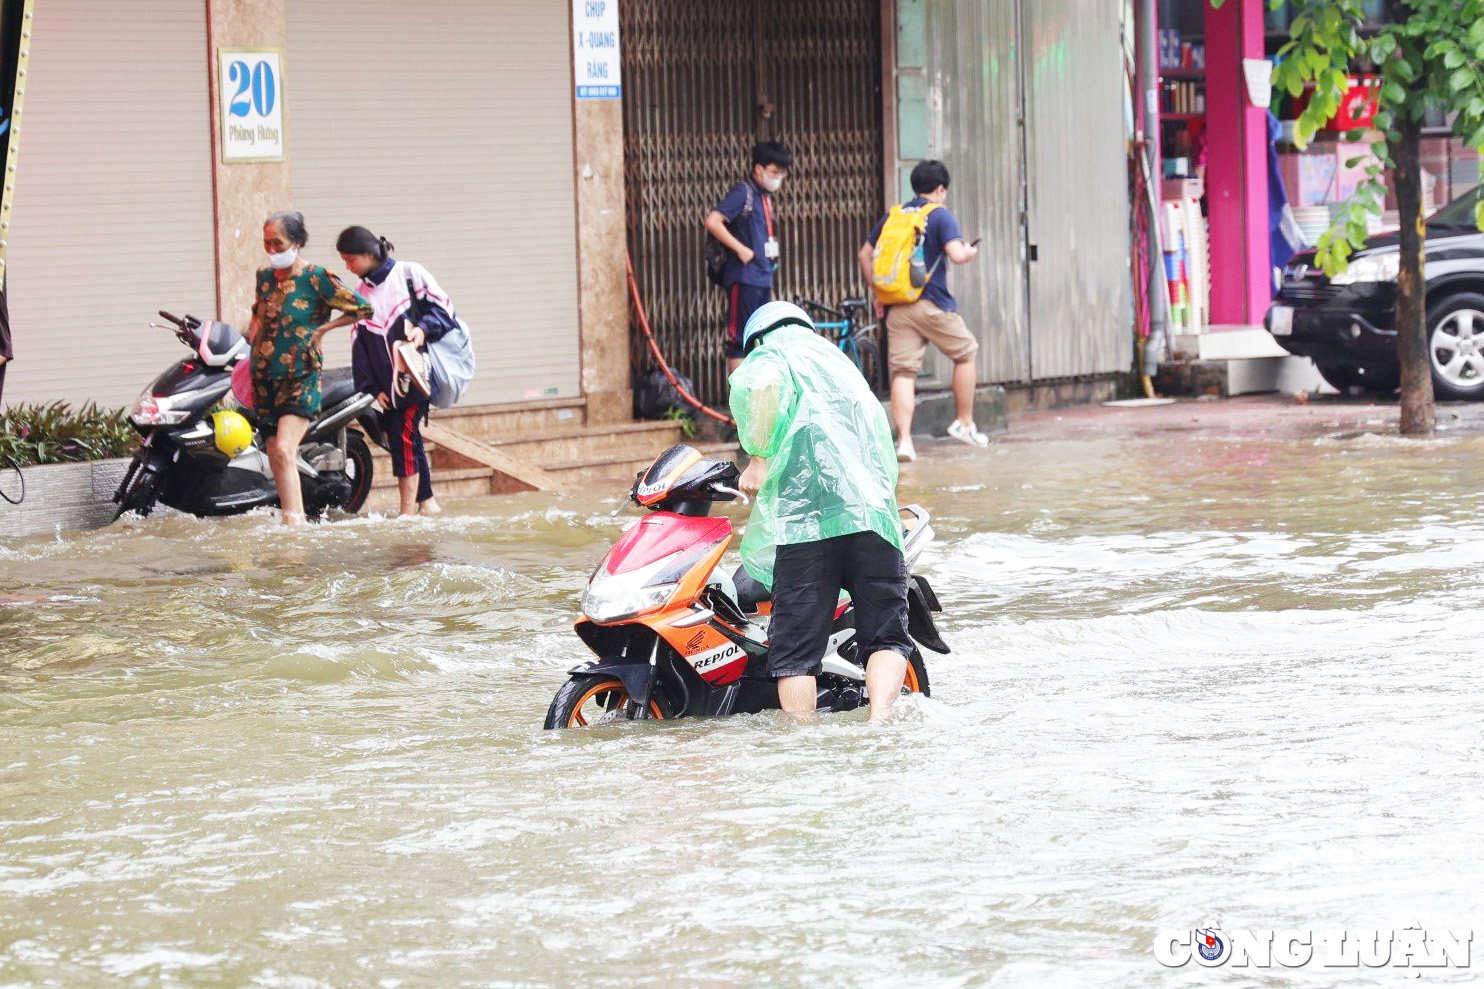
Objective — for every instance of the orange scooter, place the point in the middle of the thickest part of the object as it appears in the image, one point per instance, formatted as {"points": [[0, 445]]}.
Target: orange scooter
{"points": [[677, 635]]}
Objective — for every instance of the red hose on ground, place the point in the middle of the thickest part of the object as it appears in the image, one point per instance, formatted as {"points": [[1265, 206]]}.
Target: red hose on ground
{"points": [[654, 348]]}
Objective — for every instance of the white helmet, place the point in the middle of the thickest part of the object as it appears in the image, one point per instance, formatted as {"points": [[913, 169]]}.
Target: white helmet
{"points": [[768, 317]]}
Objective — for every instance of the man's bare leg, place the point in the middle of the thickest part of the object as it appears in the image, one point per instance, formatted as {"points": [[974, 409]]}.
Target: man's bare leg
{"points": [[886, 671], [797, 695], [963, 391], [903, 403]]}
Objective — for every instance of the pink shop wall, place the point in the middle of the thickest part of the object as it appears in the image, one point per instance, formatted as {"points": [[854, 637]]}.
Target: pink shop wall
{"points": [[1236, 167]]}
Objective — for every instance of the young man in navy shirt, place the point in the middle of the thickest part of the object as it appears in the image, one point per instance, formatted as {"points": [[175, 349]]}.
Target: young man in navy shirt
{"points": [[933, 318], [744, 223]]}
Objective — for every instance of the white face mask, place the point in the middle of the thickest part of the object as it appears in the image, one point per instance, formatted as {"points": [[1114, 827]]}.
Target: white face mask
{"points": [[771, 183], [284, 260]]}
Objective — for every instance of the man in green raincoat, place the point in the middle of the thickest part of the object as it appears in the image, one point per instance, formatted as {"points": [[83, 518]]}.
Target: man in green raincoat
{"points": [[824, 476]]}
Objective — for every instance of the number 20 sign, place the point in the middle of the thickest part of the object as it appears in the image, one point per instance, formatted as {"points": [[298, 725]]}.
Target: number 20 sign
{"points": [[250, 104]]}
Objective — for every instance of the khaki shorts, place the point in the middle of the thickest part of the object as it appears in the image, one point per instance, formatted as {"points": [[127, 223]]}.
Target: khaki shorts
{"points": [[910, 328]]}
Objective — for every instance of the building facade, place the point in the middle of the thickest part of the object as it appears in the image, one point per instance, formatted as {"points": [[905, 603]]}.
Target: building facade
{"points": [[472, 135], [452, 129]]}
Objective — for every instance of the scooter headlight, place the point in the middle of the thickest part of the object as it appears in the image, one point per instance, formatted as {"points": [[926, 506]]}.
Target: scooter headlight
{"points": [[612, 597], [155, 410]]}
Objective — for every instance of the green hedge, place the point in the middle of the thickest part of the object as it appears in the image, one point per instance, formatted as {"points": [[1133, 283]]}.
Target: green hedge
{"points": [[55, 434]]}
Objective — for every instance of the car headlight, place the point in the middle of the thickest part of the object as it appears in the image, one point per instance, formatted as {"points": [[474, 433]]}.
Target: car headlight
{"points": [[155, 410], [1375, 268]]}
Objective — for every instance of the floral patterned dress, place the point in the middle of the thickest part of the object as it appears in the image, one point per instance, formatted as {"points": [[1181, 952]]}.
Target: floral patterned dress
{"points": [[285, 361]]}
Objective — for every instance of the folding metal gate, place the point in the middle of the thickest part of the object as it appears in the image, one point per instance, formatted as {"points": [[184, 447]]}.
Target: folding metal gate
{"points": [[702, 83]]}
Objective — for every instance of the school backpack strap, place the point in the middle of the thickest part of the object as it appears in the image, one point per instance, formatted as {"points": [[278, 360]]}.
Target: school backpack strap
{"points": [[718, 254]]}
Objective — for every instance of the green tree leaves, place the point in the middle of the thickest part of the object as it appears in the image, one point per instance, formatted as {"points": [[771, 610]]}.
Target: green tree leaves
{"points": [[1428, 53]]}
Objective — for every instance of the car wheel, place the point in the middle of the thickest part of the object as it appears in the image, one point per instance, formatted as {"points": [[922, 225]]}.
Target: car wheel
{"points": [[1455, 341], [1369, 378]]}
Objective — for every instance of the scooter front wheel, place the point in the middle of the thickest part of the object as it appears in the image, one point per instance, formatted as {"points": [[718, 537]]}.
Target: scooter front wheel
{"points": [[591, 700]]}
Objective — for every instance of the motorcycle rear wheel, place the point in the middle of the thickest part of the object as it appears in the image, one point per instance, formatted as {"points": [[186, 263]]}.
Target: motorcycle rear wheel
{"points": [[917, 676], [584, 700]]}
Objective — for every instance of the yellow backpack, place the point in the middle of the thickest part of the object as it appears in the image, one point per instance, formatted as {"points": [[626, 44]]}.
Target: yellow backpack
{"points": [[897, 270]]}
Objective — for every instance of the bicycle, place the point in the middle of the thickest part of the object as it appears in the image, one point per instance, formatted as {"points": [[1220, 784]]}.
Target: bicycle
{"points": [[854, 337]]}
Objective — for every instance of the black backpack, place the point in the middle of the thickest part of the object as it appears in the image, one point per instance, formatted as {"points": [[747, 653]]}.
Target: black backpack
{"points": [[717, 253]]}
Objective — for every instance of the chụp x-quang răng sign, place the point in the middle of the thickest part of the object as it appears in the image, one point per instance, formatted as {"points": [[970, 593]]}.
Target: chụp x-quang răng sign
{"points": [[250, 104], [595, 58]]}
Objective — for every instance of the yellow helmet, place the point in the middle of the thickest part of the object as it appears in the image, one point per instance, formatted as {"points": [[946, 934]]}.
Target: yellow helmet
{"points": [[233, 433]]}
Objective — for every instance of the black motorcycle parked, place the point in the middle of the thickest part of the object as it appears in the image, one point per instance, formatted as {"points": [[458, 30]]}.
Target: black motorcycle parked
{"points": [[178, 462]]}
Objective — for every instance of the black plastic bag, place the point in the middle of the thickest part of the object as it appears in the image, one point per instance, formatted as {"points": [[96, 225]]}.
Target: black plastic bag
{"points": [[655, 397]]}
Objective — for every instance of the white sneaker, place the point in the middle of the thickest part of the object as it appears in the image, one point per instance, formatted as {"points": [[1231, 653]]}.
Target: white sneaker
{"points": [[967, 434], [906, 452]]}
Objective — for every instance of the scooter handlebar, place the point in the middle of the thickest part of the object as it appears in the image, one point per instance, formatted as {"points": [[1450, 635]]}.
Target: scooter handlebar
{"points": [[723, 489]]}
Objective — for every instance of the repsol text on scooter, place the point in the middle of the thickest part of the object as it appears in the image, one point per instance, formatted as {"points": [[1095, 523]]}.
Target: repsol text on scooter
{"points": [[180, 464], [676, 634]]}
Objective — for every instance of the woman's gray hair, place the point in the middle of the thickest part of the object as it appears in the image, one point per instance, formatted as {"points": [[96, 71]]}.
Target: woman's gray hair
{"points": [[292, 222]]}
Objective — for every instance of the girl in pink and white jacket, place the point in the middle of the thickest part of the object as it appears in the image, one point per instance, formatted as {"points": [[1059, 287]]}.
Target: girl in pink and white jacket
{"points": [[384, 284]]}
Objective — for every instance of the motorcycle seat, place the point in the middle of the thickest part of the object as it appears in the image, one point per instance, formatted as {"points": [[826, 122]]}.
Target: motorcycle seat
{"points": [[750, 592], [336, 384]]}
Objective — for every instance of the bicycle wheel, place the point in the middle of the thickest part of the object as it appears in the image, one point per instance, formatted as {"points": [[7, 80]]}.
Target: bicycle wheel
{"points": [[868, 359]]}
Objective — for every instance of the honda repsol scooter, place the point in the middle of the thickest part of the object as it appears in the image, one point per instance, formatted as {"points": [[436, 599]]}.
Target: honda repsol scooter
{"points": [[676, 635], [178, 462]]}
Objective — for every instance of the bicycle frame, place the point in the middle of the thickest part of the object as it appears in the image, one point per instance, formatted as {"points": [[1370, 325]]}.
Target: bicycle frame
{"points": [[852, 337]]}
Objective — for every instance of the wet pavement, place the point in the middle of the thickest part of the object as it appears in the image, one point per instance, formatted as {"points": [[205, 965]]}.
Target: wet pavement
{"points": [[1214, 663]]}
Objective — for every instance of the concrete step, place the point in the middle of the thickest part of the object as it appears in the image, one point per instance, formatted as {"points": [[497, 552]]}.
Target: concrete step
{"points": [[636, 439], [498, 422], [1240, 376], [619, 471], [448, 485]]}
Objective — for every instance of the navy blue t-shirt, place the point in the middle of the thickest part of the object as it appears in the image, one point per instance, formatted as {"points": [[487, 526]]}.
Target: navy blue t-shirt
{"points": [[941, 228], [759, 271]]}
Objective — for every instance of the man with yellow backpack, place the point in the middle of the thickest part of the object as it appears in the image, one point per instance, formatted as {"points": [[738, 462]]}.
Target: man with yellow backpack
{"points": [[903, 260]]}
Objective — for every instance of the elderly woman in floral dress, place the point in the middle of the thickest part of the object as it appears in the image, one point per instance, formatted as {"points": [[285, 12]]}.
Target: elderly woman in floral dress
{"points": [[290, 317]]}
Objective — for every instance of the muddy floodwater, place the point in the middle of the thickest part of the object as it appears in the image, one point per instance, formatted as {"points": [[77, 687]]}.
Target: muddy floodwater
{"points": [[1197, 679]]}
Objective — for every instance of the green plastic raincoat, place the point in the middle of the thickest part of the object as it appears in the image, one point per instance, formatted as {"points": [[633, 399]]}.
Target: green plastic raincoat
{"points": [[832, 469]]}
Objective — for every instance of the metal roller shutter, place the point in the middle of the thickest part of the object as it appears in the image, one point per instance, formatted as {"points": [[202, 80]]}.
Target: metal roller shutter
{"points": [[113, 209], [446, 127]]}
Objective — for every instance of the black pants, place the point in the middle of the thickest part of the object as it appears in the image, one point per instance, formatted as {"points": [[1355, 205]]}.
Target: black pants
{"points": [[404, 440], [807, 580]]}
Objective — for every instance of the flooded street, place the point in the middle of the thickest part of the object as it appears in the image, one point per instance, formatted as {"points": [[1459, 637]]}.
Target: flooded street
{"points": [[1197, 679]]}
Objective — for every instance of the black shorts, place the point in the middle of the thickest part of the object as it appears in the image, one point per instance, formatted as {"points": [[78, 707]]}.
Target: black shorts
{"points": [[742, 302], [807, 580]]}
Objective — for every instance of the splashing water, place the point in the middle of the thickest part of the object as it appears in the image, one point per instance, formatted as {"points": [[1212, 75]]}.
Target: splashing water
{"points": [[1193, 682]]}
